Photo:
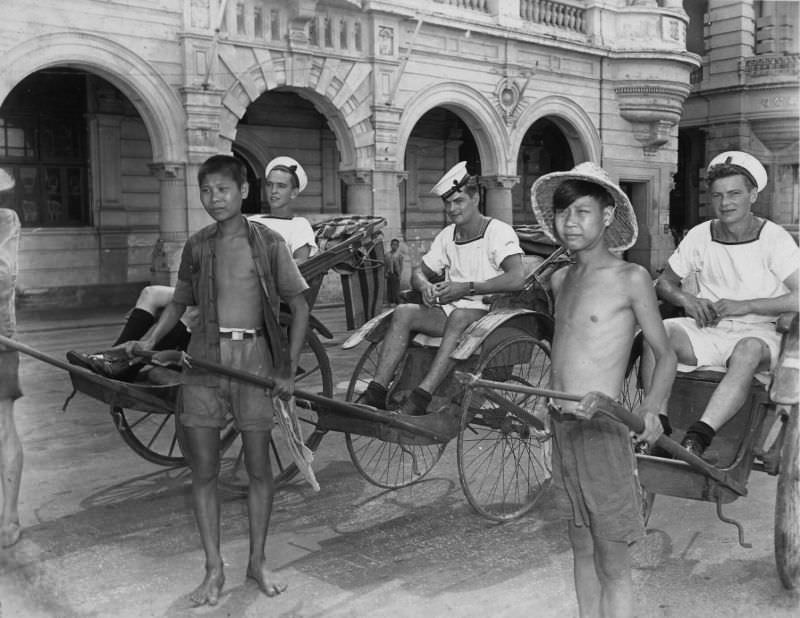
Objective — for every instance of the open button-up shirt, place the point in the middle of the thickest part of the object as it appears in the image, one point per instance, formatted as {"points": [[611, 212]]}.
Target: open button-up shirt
{"points": [[277, 274]]}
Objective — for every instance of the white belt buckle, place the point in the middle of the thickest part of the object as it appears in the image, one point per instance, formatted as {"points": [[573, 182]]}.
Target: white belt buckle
{"points": [[237, 335]]}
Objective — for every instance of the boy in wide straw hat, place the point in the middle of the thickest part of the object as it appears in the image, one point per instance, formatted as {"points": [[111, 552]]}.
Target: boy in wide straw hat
{"points": [[599, 302]]}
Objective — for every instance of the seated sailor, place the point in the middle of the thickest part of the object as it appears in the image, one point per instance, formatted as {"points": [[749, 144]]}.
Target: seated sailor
{"points": [[476, 255], [746, 273]]}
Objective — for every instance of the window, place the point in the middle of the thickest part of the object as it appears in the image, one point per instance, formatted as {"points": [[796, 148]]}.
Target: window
{"points": [[43, 144]]}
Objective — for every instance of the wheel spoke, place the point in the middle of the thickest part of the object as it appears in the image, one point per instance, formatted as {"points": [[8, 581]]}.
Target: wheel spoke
{"points": [[386, 464], [503, 462], [158, 431]]}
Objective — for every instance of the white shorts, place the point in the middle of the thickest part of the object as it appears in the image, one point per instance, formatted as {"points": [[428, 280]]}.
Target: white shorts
{"points": [[713, 345], [465, 303]]}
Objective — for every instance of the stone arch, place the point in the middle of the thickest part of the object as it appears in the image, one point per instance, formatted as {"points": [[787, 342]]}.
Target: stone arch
{"points": [[578, 129], [338, 89], [155, 100], [477, 113]]}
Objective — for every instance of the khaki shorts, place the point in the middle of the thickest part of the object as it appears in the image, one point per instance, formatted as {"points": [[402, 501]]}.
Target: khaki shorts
{"points": [[595, 483], [9, 375], [713, 345], [249, 405]]}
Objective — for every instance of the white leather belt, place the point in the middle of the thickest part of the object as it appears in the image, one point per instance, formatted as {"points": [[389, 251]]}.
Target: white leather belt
{"points": [[238, 334]]}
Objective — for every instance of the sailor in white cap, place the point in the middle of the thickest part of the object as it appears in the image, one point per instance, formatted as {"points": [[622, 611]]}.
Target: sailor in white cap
{"points": [[743, 271], [473, 256], [285, 180]]}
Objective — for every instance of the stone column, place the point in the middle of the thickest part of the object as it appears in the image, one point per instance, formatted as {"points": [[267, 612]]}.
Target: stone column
{"points": [[173, 227], [386, 204], [498, 197], [359, 191]]}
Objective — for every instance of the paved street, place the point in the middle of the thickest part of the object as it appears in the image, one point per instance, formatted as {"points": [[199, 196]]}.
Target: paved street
{"points": [[109, 534]]}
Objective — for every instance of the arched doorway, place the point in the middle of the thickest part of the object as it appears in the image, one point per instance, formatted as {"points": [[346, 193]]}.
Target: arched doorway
{"points": [[81, 154], [439, 140], [283, 123], [544, 149], [45, 146]]}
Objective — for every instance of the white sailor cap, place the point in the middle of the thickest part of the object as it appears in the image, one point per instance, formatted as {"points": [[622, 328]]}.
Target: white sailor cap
{"points": [[746, 163], [455, 178], [6, 180], [287, 164]]}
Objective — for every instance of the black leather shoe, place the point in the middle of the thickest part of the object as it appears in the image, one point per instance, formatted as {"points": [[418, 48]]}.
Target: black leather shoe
{"points": [[80, 359], [693, 445], [114, 366]]}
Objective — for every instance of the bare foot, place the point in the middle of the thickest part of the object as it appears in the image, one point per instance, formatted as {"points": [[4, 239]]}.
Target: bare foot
{"points": [[266, 580], [9, 534], [208, 592]]}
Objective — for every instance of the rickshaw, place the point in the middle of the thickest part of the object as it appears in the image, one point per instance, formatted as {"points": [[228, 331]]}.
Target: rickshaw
{"points": [[763, 435], [143, 411], [503, 462]]}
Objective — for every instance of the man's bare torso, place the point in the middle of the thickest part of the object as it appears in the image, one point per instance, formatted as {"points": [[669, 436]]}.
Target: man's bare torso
{"points": [[238, 287], [594, 327]]}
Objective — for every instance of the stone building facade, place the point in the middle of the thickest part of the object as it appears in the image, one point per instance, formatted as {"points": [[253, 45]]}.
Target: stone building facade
{"points": [[744, 96], [107, 108]]}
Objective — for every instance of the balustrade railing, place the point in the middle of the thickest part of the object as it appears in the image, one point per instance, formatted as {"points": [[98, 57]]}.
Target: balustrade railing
{"points": [[258, 21], [555, 14], [261, 21], [473, 5]]}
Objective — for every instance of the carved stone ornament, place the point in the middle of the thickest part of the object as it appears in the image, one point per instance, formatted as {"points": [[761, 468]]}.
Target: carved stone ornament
{"points": [[385, 41], [508, 95], [653, 110]]}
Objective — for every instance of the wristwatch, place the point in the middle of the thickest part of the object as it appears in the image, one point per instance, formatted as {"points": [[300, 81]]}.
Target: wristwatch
{"points": [[472, 291]]}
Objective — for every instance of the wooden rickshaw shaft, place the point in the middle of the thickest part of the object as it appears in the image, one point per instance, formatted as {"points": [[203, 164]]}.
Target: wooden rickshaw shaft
{"points": [[598, 402], [325, 404]]}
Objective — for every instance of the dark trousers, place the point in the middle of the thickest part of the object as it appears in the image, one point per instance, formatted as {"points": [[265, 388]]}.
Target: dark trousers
{"points": [[393, 288]]}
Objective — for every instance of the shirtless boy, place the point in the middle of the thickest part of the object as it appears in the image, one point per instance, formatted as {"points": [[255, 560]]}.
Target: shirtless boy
{"points": [[236, 272], [599, 301], [285, 180]]}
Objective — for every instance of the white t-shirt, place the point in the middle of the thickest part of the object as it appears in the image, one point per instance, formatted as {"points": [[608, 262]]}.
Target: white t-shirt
{"points": [[297, 231], [478, 259], [738, 271]]}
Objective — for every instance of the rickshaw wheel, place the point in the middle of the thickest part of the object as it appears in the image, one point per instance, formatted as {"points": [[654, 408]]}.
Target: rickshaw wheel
{"points": [[150, 435], [385, 464], [632, 394], [787, 505], [504, 463]]}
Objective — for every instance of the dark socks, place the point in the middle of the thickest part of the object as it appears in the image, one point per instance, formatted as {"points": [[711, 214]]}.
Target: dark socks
{"points": [[137, 325], [374, 395], [665, 424], [417, 402], [701, 432]]}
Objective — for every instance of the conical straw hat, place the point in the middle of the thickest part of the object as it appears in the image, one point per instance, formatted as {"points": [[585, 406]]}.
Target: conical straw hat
{"points": [[623, 231]]}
